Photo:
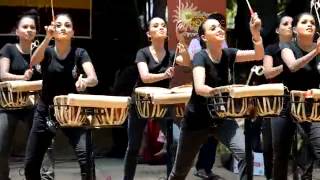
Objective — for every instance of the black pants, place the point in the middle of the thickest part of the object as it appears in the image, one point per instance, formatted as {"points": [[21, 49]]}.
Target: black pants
{"points": [[40, 139], [207, 155], [136, 127]]}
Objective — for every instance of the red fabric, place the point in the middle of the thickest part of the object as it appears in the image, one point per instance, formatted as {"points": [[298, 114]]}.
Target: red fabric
{"points": [[152, 145]]}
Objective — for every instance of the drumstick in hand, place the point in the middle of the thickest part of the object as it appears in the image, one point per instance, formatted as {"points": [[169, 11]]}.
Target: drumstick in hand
{"points": [[250, 9]]}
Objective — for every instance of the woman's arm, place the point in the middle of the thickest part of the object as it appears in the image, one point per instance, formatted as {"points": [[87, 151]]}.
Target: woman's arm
{"points": [[147, 77], [183, 57], [270, 71], [38, 55], [6, 76], [91, 79], [258, 52], [199, 75], [296, 64]]}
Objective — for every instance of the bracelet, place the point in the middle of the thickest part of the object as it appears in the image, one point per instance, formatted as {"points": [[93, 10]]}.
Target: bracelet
{"points": [[257, 41]]}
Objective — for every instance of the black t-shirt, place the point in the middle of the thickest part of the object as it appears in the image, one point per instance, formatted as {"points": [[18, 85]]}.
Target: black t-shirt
{"points": [[19, 62], [60, 76], [308, 77], [144, 55], [216, 74], [274, 50]]}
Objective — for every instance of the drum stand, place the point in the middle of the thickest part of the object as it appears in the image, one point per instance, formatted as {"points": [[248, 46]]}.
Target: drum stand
{"points": [[169, 138], [90, 154], [248, 147]]}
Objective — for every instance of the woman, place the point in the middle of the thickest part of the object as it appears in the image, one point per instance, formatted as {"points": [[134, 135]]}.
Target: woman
{"points": [[210, 70], [155, 69], [301, 56], [275, 130], [14, 65], [58, 64]]}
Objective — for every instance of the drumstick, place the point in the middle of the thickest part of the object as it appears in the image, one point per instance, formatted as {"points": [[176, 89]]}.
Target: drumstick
{"points": [[250, 9], [52, 12], [175, 56]]}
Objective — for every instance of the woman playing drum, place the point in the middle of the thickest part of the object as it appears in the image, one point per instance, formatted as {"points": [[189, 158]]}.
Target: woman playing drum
{"points": [[210, 69], [155, 65], [301, 56], [14, 65], [59, 64]]}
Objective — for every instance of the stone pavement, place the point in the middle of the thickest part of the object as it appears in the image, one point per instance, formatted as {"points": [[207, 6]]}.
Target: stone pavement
{"points": [[112, 169]]}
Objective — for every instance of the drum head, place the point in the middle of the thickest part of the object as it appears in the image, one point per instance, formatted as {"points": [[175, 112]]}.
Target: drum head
{"points": [[182, 89], [151, 90]]}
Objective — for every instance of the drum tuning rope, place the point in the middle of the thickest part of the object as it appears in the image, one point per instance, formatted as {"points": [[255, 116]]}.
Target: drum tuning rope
{"points": [[258, 70]]}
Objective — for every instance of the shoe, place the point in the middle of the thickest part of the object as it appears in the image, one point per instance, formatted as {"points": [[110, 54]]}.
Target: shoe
{"points": [[201, 173]]}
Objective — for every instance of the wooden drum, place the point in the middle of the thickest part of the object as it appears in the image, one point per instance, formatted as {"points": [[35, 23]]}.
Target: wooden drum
{"points": [[145, 105], [267, 98], [19, 94], [178, 98], [305, 105], [221, 104], [76, 110], [239, 100]]}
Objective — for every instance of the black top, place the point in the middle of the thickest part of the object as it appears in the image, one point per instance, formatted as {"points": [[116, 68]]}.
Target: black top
{"points": [[197, 115], [19, 62], [306, 77], [274, 50], [60, 76], [144, 55]]}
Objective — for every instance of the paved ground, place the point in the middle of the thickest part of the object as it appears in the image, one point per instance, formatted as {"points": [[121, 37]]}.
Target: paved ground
{"points": [[111, 169]]}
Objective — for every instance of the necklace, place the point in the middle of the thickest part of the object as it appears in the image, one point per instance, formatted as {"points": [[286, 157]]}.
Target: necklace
{"points": [[22, 50]]}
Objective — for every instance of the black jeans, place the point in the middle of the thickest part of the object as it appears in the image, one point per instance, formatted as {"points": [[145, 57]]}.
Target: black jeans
{"points": [[8, 123], [207, 155], [40, 139], [136, 127], [190, 141]]}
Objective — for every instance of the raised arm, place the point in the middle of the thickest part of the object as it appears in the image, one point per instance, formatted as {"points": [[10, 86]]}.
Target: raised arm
{"points": [[148, 77], [258, 52], [38, 55], [270, 71], [296, 64], [183, 57]]}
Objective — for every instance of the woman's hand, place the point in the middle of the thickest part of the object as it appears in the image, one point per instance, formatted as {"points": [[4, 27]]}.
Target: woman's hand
{"points": [[50, 30], [255, 26], [169, 72], [81, 84], [28, 74]]}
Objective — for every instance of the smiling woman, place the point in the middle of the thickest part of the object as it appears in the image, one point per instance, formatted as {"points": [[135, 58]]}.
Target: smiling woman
{"points": [[82, 9]]}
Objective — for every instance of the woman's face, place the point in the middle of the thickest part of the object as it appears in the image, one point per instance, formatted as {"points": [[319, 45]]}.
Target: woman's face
{"points": [[26, 29], [213, 31], [285, 27], [157, 29], [305, 25], [64, 28]]}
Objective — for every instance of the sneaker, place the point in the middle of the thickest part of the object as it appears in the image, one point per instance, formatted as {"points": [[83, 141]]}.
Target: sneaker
{"points": [[201, 173]]}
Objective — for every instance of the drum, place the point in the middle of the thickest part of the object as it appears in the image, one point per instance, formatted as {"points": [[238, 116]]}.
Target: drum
{"points": [[185, 92], [144, 102], [19, 94], [178, 98], [76, 110], [305, 105], [240, 101], [267, 98], [222, 105]]}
